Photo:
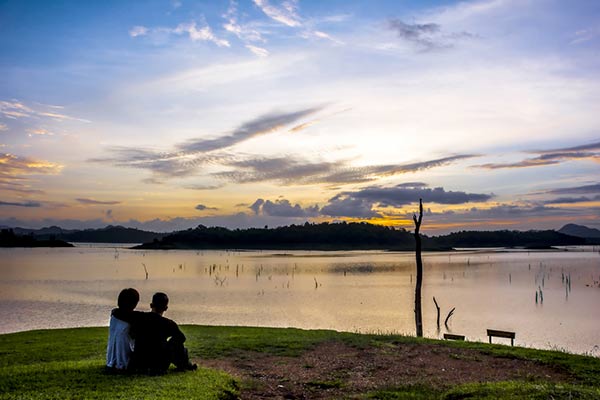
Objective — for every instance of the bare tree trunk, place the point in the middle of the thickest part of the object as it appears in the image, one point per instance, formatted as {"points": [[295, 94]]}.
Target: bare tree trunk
{"points": [[418, 313], [438, 312]]}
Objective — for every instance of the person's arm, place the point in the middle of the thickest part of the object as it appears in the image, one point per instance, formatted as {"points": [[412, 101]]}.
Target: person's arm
{"points": [[174, 332], [128, 316]]}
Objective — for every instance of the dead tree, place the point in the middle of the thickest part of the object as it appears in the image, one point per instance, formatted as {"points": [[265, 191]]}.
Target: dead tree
{"points": [[418, 312], [438, 312]]}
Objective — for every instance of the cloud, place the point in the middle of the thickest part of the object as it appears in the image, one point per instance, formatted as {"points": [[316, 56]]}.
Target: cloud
{"points": [[15, 109], [293, 171], [96, 202], [595, 188], [285, 14], [256, 206], [258, 51], [348, 206], [283, 208], [199, 34], [191, 29], [551, 157], [243, 32], [585, 35], [3, 127], [26, 204], [202, 207], [204, 187], [426, 36], [13, 167], [259, 126], [39, 132], [572, 200], [138, 31], [361, 203]]}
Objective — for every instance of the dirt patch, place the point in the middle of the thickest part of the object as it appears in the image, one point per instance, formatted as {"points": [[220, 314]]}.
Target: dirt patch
{"points": [[335, 369]]}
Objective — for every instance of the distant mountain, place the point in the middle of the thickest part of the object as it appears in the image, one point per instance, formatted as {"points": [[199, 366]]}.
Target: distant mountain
{"points": [[109, 234], [580, 231], [351, 236], [8, 238]]}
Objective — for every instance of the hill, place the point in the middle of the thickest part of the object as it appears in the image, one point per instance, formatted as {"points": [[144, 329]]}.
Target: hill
{"points": [[9, 239], [581, 231], [351, 236], [109, 234]]}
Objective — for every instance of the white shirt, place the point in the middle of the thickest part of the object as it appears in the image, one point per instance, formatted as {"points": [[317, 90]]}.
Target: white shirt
{"points": [[120, 344]]}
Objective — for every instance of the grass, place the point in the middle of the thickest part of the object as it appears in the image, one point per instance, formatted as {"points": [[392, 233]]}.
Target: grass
{"points": [[68, 364]]}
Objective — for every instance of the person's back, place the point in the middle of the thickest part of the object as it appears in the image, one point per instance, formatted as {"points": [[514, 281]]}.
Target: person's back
{"points": [[159, 342], [120, 344]]}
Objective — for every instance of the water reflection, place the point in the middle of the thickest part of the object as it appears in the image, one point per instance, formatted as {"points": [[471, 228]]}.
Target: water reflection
{"points": [[352, 291]]}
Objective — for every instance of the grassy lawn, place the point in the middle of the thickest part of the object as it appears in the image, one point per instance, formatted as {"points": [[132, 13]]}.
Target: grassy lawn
{"points": [[68, 364]]}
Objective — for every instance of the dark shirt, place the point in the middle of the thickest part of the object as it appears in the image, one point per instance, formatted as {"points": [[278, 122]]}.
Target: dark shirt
{"points": [[154, 335]]}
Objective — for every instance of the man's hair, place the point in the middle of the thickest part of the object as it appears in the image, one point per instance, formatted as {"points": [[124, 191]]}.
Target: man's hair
{"points": [[128, 299], [160, 301]]}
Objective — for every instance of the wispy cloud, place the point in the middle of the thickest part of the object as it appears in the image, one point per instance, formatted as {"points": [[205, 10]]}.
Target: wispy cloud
{"points": [[293, 171], [286, 13], [193, 153], [3, 127], [138, 31], [550, 157], [15, 109], [96, 202], [259, 51], [39, 132], [191, 29], [573, 200], [594, 188]]}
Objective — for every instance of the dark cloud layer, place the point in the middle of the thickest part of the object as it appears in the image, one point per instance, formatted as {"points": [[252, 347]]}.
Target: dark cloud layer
{"points": [[361, 203], [202, 207], [595, 188], [27, 204]]}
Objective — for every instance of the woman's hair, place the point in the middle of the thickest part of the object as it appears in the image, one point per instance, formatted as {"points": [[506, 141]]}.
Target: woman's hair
{"points": [[128, 299]]}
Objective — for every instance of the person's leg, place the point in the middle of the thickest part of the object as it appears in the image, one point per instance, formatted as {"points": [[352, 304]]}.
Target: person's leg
{"points": [[179, 356]]}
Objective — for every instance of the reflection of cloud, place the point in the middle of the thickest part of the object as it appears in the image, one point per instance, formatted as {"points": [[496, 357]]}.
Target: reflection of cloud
{"points": [[96, 202], [550, 157], [27, 204]]}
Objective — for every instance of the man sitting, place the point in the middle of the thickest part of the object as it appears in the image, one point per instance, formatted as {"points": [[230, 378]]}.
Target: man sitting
{"points": [[120, 344], [158, 340]]}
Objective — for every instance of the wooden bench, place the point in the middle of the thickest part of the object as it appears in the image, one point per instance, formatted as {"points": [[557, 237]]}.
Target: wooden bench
{"points": [[502, 334], [451, 336]]}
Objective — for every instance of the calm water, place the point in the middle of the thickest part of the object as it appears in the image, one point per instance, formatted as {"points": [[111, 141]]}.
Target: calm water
{"points": [[362, 291]]}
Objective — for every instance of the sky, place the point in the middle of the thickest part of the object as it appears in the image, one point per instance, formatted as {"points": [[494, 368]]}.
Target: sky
{"points": [[166, 114]]}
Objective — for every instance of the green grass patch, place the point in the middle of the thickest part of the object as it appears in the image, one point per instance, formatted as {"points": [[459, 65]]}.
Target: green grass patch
{"points": [[69, 364]]}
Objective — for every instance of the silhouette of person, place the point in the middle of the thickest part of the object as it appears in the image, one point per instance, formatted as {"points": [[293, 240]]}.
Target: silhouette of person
{"points": [[158, 340], [120, 344]]}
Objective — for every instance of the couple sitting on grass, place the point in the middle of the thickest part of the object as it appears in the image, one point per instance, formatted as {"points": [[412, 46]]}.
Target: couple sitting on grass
{"points": [[144, 342]]}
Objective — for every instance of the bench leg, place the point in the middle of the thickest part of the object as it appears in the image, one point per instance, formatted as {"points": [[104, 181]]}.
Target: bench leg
{"points": [[490, 339], [512, 342]]}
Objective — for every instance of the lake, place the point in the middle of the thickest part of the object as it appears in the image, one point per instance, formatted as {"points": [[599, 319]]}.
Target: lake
{"points": [[362, 291]]}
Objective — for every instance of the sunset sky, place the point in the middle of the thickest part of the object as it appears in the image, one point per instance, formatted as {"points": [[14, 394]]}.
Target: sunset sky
{"points": [[167, 114]]}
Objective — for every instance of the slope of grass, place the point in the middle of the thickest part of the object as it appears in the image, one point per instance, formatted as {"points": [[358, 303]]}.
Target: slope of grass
{"points": [[69, 364]]}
